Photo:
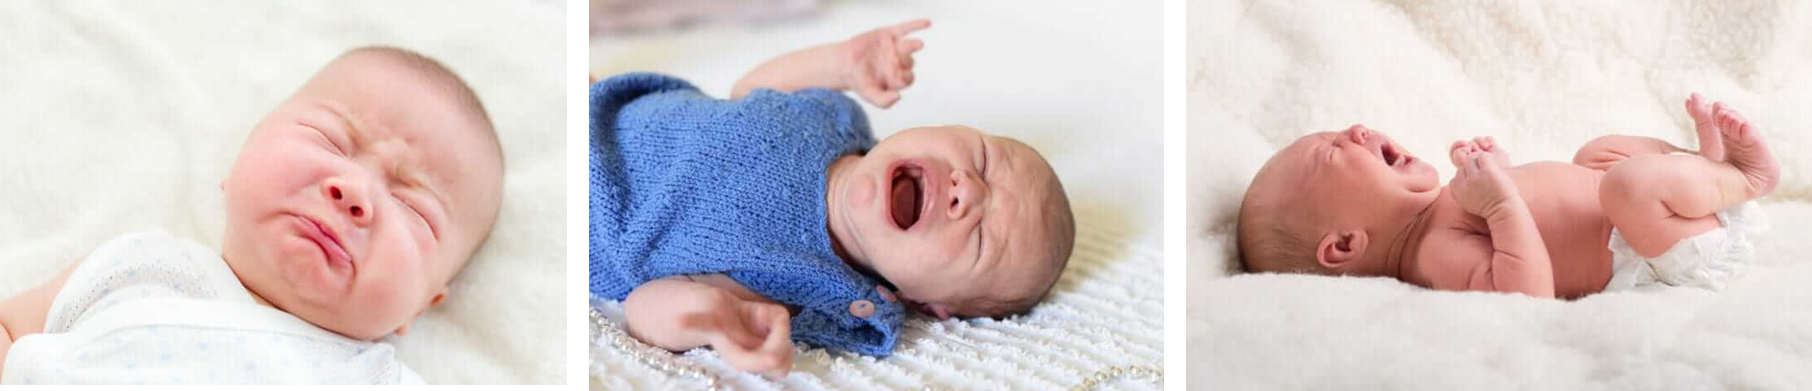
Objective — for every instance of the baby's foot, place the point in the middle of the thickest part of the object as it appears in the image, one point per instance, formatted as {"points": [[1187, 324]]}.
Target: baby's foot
{"points": [[1711, 142], [1745, 149]]}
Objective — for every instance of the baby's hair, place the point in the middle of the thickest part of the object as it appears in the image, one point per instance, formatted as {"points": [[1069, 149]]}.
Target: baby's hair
{"points": [[1269, 243]]}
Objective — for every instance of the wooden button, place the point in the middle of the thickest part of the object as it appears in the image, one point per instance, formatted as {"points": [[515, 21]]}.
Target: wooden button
{"points": [[885, 294], [862, 309]]}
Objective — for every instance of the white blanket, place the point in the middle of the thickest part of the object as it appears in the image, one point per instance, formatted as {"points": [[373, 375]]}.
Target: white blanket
{"points": [[1543, 77], [126, 115], [1079, 82]]}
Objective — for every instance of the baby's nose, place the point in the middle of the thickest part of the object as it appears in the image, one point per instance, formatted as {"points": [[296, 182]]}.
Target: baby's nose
{"points": [[967, 191], [348, 196], [1358, 133]]}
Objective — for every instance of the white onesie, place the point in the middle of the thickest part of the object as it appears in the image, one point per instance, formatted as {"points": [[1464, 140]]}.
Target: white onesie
{"points": [[149, 307]]}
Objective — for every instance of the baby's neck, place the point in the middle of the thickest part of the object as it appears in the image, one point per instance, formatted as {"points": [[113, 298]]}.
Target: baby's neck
{"points": [[837, 223], [1399, 253]]}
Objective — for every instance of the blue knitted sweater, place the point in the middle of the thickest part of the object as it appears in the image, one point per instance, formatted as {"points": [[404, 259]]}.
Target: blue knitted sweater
{"points": [[685, 184]]}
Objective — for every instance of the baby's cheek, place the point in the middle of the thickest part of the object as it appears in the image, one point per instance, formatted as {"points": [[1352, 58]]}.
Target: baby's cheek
{"points": [[861, 191]]}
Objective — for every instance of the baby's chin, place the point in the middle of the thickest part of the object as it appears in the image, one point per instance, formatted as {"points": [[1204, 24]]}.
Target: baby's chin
{"points": [[1426, 177], [309, 277]]}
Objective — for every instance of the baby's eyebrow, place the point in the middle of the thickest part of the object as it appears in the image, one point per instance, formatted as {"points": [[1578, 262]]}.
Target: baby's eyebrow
{"points": [[346, 123]]}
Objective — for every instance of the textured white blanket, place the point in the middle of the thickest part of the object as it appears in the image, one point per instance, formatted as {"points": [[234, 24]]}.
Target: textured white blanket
{"points": [[126, 116], [1542, 77], [1089, 99]]}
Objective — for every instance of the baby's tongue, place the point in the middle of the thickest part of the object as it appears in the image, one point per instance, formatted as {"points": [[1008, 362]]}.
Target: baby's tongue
{"points": [[905, 201]]}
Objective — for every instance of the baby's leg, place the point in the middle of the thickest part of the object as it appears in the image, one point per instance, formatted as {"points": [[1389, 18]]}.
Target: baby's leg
{"points": [[1655, 199], [1603, 152]]}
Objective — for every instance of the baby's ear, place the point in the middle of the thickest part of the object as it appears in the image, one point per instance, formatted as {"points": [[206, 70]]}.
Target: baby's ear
{"points": [[1338, 249], [438, 296], [938, 310]]}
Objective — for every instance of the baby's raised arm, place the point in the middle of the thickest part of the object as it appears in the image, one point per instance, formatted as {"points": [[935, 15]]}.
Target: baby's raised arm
{"points": [[681, 313], [876, 64]]}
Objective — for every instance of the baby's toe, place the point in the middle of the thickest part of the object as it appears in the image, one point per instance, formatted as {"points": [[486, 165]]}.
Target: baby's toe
{"points": [[1698, 108]]}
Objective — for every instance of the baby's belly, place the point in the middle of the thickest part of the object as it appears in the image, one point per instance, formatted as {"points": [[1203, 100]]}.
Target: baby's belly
{"points": [[1564, 200]]}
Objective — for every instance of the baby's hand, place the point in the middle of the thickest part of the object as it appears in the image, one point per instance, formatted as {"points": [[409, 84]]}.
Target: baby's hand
{"points": [[879, 62], [751, 335], [1485, 144], [1482, 186]]}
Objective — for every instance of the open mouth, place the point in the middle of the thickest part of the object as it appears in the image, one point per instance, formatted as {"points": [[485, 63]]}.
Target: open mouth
{"points": [[907, 195], [1392, 157]]}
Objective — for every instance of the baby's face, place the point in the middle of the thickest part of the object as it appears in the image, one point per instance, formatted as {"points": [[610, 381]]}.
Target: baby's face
{"points": [[354, 203], [1340, 172], [949, 214]]}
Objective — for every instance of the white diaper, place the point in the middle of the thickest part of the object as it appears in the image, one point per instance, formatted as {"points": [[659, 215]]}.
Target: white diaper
{"points": [[1706, 260]]}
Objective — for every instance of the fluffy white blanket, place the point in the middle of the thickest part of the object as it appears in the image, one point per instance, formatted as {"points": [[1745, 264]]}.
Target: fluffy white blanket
{"points": [[1542, 77], [126, 116], [1089, 99]]}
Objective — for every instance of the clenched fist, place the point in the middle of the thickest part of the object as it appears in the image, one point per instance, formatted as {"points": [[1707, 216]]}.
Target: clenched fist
{"points": [[1482, 186]]}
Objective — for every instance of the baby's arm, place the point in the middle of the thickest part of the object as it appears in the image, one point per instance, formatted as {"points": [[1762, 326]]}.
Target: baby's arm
{"points": [[1518, 257], [24, 313], [680, 313], [876, 64]]}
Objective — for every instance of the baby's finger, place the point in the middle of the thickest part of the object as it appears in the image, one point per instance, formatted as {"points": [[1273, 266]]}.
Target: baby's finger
{"points": [[1486, 143], [1462, 149], [1453, 151], [1483, 163], [910, 46], [894, 77], [890, 75], [910, 26], [884, 99], [908, 77], [734, 342], [772, 353], [779, 344], [1468, 162]]}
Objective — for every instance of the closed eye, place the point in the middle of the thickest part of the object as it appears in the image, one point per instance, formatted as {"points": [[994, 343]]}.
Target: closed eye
{"points": [[983, 164], [423, 217], [980, 240], [326, 139]]}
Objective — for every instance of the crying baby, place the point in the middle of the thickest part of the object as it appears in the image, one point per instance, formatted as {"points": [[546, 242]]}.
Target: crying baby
{"points": [[1627, 212], [350, 208], [774, 216]]}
